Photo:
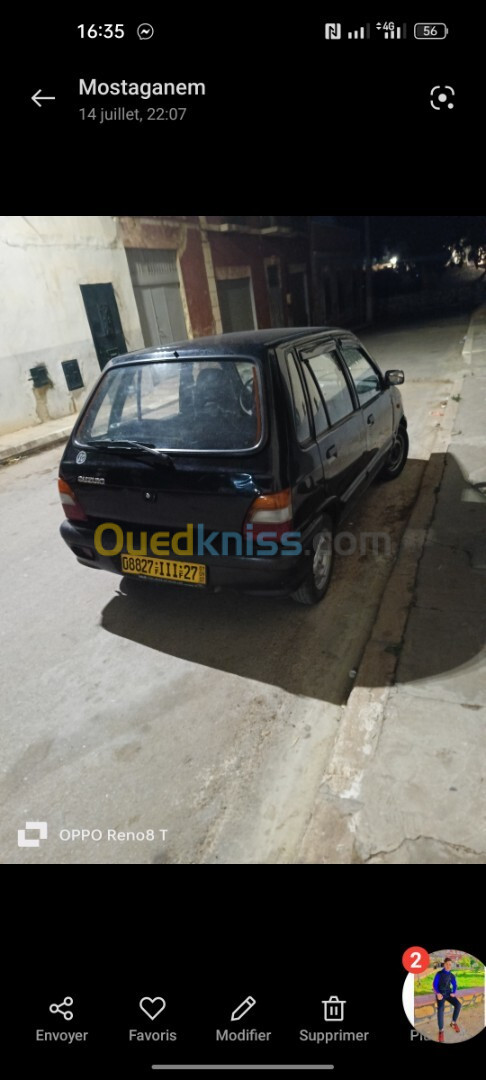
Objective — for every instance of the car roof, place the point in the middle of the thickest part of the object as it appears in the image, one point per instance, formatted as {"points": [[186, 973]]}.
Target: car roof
{"points": [[244, 342]]}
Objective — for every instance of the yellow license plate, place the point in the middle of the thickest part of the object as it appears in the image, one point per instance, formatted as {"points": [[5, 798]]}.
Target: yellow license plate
{"points": [[186, 573]]}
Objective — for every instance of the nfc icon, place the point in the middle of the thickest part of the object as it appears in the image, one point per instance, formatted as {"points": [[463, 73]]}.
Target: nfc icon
{"points": [[333, 30]]}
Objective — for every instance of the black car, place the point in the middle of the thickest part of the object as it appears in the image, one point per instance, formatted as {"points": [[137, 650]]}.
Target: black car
{"points": [[228, 462]]}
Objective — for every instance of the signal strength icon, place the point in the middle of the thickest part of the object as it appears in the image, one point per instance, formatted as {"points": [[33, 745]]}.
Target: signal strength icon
{"points": [[361, 33], [392, 32]]}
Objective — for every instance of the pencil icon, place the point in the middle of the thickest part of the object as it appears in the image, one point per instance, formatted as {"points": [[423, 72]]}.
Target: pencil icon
{"points": [[242, 1009]]}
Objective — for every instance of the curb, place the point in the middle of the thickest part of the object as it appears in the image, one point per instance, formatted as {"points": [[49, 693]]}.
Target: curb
{"points": [[33, 446], [329, 836], [478, 317]]}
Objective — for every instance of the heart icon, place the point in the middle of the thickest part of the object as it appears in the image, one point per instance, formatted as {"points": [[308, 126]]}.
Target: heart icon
{"points": [[152, 1007]]}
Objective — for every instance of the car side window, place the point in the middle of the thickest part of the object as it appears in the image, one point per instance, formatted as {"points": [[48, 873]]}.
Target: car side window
{"points": [[300, 410], [332, 383], [364, 376], [321, 423]]}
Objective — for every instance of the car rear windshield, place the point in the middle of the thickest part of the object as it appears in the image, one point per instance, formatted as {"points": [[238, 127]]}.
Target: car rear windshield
{"points": [[178, 405]]}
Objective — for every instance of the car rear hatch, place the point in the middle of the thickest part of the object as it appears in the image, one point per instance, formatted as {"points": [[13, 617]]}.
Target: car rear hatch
{"points": [[167, 443]]}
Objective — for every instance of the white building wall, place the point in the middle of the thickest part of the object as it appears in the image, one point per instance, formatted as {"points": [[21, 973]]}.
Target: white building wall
{"points": [[43, 261]]}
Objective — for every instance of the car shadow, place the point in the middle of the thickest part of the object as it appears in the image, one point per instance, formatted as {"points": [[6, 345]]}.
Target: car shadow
{"points": [[446, 628], [315, 651]]}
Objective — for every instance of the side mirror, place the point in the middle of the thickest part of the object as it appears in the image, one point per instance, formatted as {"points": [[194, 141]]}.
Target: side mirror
{"points": [[394, 378]]}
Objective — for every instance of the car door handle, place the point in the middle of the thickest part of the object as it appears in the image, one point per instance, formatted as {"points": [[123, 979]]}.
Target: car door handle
{"points": [[332, 452], [371, 419]]}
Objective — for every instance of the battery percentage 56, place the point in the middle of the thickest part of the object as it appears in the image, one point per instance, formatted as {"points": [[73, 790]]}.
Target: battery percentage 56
{"points": [[430, 31]]}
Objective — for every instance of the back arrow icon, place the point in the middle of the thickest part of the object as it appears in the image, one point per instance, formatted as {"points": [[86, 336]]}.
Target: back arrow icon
{"points": [[35, 97]]}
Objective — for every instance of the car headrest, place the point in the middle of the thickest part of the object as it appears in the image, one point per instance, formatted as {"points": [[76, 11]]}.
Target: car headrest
{"points": [[214, 389]]}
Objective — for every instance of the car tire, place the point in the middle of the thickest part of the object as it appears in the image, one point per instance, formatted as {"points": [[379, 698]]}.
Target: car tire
{"points": [[316, 584], [397, 457]]}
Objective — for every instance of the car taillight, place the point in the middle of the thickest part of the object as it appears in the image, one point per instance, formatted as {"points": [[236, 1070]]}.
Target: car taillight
{"points": [[270, 514], [72, 508]]}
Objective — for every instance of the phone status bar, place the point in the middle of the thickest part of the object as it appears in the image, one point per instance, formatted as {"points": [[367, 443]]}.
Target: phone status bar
{"points": [[386, 31]]}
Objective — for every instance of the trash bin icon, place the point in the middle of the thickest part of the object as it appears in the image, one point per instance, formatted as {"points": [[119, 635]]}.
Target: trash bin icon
{"points": [[333, 1009]]}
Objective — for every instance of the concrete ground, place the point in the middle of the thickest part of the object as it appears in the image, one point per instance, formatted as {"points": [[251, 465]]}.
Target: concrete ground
{"points": [[470, 1021], [133, 707], [406, 780]]}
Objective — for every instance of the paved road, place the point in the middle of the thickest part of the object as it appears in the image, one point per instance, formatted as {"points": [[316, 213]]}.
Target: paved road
{"points": [[132, 707]]}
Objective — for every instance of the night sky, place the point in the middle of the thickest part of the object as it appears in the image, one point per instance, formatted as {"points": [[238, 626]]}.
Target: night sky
{"points": [[423, 235]]}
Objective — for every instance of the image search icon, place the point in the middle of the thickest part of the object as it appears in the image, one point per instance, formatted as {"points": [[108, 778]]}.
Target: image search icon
{"points": [[441, 97]]}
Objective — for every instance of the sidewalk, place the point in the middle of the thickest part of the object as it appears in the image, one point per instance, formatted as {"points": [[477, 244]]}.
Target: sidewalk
{"points": [[38, 437], [406, 782]]}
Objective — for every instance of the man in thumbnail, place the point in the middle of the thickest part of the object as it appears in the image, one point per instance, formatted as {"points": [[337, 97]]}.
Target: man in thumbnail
{"points": [[445, 987]]}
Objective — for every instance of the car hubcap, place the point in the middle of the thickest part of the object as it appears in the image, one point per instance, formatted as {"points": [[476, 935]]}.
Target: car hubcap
{"points": [[396, 454], [321, 565]]}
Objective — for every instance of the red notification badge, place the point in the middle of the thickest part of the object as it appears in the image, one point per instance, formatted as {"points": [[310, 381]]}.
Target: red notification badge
{"points": [[416, 960]]}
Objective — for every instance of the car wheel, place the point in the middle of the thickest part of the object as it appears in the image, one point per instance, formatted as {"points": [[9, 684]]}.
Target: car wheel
{"points": [[397, 456], [316, 584]]}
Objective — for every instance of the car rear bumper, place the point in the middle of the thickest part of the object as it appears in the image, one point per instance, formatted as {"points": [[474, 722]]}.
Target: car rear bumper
{"points": [[275, 575]]}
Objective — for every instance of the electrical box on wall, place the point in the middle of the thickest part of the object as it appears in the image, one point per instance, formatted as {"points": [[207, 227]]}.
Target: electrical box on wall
{"points": [[72, 374], [39, 376]]}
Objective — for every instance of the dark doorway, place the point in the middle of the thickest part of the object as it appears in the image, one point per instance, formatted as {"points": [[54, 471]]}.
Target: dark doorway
{"points": [[299, 309], [104, 321], [236, 304], [155, 280], [275, 294]]}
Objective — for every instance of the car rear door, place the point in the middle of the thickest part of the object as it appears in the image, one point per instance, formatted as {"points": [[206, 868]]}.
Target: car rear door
{"points": [[375, 400], [338, 422], [305, 471]]}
